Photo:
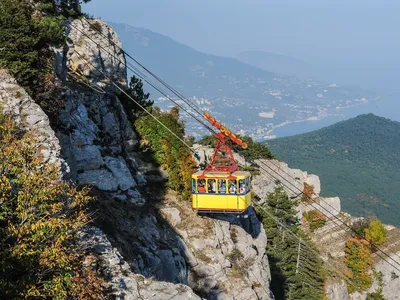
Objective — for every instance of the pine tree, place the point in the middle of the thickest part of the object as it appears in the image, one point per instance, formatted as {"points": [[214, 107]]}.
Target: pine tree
{"points": [[135, 90], [296, 271]]}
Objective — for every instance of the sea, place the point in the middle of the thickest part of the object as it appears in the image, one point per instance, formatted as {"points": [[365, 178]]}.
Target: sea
{"points": [[388, 106]]}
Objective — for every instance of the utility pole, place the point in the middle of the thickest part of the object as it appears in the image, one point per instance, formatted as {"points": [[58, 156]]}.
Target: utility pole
{"points": [[298, 257]]}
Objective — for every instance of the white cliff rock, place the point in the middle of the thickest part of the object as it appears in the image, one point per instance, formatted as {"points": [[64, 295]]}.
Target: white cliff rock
{"points": [[15, 101]]}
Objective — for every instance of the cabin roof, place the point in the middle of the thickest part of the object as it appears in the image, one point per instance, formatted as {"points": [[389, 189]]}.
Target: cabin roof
{"points": [[240, 174]]}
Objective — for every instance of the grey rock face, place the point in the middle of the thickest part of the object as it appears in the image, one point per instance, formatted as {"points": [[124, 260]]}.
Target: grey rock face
{"points": [[121, 172], [293, 178], [124, 283], [328, 206], [215, 245], [100, 132], [88, 158], [102, 179], [337, 291], [173, 215]]}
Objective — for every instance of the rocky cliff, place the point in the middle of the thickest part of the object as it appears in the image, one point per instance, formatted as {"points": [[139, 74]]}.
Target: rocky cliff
{"points": [[152, 246]]}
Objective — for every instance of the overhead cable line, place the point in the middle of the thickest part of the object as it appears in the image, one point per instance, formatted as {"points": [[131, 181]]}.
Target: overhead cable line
{"points": [[143, 108], [133, 69], [302, 241], [324, 210], [207, 127], [149, 113], [136, 102], [178, 94]]}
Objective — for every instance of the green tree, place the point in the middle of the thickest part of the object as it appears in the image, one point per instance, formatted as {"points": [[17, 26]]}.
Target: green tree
{"points": [[166, 149], [135, 90], [296, 271], [28, 31], [40, 217], [376, 233]]}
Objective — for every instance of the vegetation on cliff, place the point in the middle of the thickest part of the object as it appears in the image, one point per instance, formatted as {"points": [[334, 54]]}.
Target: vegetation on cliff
{"points": [[40, 217], [357, 160], [296, 271], [359, 260], [166, 149], [369, 232], [28, 30]]}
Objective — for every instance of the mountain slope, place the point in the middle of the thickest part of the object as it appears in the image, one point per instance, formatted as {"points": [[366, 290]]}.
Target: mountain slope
{"points": [[357, 160], [244, 97], [182, 65], [280, 64]]}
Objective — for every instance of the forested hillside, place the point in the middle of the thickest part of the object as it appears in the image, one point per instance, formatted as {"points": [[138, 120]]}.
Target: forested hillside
{"points": [[357, 160]]}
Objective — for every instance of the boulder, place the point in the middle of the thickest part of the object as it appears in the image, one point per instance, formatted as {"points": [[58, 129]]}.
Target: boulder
{"points": [[88, 158], [117, 166], [102, 179], [172, 214]]}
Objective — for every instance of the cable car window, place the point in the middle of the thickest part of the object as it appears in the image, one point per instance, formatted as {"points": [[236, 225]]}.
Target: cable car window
{"points": [[232, 186], [212, 186], [222, 186], [193, 185], [248, 184], [201, 185], [242, 186]]}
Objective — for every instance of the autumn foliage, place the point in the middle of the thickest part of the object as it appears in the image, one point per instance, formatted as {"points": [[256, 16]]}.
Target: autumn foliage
{"points": [[375, 233], [359, 260], [308, 193], [315, 218], [39, 220]]}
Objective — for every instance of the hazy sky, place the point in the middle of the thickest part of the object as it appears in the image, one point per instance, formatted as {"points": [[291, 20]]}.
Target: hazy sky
{"points": [[357, 41]]}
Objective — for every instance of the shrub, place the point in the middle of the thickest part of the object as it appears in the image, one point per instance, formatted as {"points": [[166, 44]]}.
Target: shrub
{"points": [[376, 233], [308, 193], [359, 260], [96, 26], [360, 225], [39, 220], [316, 219]]}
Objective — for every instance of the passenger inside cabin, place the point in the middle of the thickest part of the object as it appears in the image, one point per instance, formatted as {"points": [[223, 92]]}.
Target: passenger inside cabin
{"points": [[232, 186], [222, 187], [242, 187], [201, 186], [201, 189], [212, 186], [232, 189]]}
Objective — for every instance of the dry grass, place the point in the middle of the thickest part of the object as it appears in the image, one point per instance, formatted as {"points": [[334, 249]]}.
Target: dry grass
{"points": [[202, 256]]}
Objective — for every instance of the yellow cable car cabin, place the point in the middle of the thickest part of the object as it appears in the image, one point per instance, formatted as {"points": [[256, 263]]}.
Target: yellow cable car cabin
{"points": [[217, 192], [221, 186]]}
